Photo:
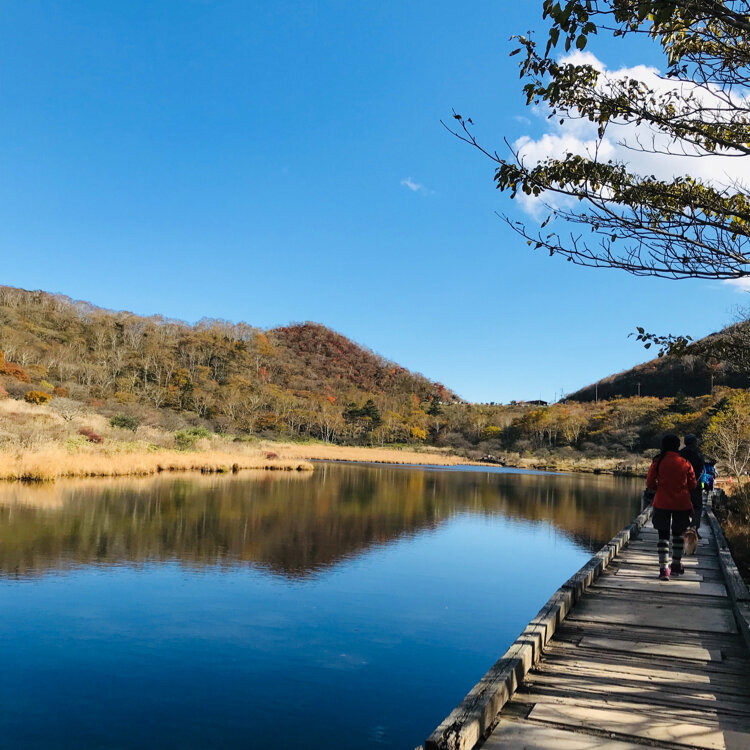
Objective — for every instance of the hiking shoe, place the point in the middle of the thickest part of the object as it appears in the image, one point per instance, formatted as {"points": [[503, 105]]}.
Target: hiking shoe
{"points": [[664, 573], [677, 569]]}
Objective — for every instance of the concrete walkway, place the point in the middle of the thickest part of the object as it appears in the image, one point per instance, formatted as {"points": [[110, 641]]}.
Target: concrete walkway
{"points": [[638, 662]]}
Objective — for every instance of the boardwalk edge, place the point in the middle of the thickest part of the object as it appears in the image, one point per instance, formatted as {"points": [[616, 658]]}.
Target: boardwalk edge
{"points": [[736, 586], [473, 719]]}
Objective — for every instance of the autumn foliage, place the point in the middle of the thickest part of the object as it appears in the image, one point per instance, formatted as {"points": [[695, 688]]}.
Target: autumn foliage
{"points": [[90, 435], [12, 370], [37, 397]]}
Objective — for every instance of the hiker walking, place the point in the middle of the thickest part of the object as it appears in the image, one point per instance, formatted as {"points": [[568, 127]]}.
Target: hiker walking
{"points": [[672, 477], [710, 474], [692, 453]]}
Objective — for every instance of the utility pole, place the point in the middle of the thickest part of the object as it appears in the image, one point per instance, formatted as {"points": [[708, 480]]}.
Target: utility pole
{"points": [[639, 389], [712, 384]]}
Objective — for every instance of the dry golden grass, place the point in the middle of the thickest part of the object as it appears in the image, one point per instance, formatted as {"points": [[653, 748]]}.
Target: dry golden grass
{"points": [[324, 452], [38, 444], [54, 463]]}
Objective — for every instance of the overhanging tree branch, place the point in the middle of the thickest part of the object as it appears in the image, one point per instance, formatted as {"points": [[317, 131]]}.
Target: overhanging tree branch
{"points": [[684, 227]]}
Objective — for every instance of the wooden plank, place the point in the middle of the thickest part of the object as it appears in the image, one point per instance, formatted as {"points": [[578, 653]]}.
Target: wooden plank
{"points": [[640, 557], [517, 735], [667, 615], [680, 674], [571, 629], [648, 725], [730, 669], [657, 649], [704, 714], [646, 694], [631, 571], [674, 585]]}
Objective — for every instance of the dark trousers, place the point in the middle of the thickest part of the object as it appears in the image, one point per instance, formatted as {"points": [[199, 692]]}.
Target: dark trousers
{"points": [[696, 498]]}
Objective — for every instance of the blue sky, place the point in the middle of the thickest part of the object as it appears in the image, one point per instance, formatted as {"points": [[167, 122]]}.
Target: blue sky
{"points": [[257, 161]]}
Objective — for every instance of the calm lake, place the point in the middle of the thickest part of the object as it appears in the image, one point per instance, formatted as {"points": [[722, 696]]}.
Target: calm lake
{"points": [[351, 607]]}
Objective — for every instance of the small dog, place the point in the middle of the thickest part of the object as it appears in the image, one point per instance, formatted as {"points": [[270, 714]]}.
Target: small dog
{"points": [[691, 541]]}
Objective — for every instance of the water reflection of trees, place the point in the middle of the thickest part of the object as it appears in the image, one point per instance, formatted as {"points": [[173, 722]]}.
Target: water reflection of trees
{"points": [[291, 524]]}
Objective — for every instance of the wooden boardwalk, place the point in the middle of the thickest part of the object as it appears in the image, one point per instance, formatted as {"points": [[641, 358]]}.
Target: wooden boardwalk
{"points": [[635, 662]]}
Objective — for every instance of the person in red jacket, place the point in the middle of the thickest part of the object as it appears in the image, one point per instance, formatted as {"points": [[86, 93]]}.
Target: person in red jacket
{"points": [[672, 477]]}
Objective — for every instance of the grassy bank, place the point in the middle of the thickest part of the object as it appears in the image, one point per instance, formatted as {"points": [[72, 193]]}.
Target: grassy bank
{"points": [[38, 443], [115, 460], [330, 452], [51, 464], [635, 466]]}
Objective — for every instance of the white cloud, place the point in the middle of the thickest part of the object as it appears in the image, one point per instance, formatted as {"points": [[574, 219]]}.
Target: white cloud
{"points": [[415, 187], [621, 140], [741, 285]]}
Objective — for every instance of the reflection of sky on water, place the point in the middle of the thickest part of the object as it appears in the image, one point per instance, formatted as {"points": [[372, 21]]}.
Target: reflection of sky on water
{"points": [[371, 650]]}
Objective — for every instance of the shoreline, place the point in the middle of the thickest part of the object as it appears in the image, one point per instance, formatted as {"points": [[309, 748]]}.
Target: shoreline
{"points": [[57, 462]]}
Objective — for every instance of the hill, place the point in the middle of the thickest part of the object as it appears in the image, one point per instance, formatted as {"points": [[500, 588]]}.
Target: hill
{"points": [[720, 359], [302, 379]]}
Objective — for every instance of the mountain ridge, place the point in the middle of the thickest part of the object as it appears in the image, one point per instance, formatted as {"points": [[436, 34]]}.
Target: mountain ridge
{"points": [[715, 360]]}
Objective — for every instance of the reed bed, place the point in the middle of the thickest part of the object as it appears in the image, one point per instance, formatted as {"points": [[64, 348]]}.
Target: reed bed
{"points": [[328, 452], [56, 463]]}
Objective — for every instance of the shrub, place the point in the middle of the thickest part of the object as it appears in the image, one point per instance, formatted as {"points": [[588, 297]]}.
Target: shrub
{"points": [[38, 397], [187, 439], [90, 435], [67, 408], [124, 397], [61, 392], [13, 370], [46, 384], [125, 421], [3, 392]]}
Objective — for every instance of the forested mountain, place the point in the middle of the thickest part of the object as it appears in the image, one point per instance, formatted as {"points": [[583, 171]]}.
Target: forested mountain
{"points": [[303, 379], [721, 359]]}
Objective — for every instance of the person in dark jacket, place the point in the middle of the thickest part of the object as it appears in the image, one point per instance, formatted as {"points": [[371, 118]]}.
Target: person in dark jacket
{"points": [[710, 474], [672, 478], [692, 453]]}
